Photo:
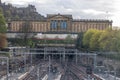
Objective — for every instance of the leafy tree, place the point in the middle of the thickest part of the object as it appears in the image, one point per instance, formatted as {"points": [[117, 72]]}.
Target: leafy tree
{"points": [[94, 43], [106, 40], [68, 39], [87, 37], [117, 41], [110, 42], [3, 29]]}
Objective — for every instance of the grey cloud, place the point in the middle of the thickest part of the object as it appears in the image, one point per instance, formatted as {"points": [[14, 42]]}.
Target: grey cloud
{"points": [[75, 7]]}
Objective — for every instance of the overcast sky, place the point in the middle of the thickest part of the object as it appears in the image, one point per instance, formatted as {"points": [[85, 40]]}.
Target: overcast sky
{"points": [[85, 9]]}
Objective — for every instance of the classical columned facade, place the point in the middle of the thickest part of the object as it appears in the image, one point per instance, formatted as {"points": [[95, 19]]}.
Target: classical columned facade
{"points": [[57, 23]]}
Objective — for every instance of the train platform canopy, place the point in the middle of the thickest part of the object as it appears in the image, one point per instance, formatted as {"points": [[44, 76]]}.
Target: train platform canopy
{"points": [[53, 36]]}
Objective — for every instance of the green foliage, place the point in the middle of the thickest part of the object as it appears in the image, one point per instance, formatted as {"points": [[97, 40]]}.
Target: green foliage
{"points": [[87, 37], [1, 10], [3, 27], [5, 54], [117, 41], [68, 39], [106, 40], [22, 42], [102, 40], [94, 41]]}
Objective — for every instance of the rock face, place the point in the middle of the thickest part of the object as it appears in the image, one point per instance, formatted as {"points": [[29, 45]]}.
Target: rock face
{"points": [[21, 13]]}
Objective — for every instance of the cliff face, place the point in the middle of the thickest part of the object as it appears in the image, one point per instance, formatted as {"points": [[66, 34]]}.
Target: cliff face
{"points": [[22, 13]]}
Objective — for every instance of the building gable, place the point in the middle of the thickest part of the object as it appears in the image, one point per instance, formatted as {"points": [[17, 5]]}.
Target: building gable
{"points": [[59, 17]]}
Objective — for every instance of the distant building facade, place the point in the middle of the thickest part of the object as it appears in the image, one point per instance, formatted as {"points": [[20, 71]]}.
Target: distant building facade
{"points": [[58, 23]]}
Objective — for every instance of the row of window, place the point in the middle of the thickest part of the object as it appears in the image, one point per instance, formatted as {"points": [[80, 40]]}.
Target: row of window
{"points": [[54, 24], [85, 28], [60, 25]]}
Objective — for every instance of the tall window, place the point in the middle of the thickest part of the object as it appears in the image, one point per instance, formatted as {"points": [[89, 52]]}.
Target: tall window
{"points": [[63, 24], [53, 24]]}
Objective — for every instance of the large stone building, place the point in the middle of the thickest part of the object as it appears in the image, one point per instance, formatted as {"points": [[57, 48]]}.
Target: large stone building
{"points": [[58, 23]]}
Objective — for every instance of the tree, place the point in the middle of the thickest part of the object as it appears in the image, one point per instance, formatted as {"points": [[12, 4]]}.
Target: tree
{"points": [[108, 39], [117, 41], [87, 37], [94, 43], [68, 39], [3, 29]]}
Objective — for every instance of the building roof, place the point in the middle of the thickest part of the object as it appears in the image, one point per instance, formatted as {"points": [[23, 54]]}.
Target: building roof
{"points": [[64, 15], [91, 20]]}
